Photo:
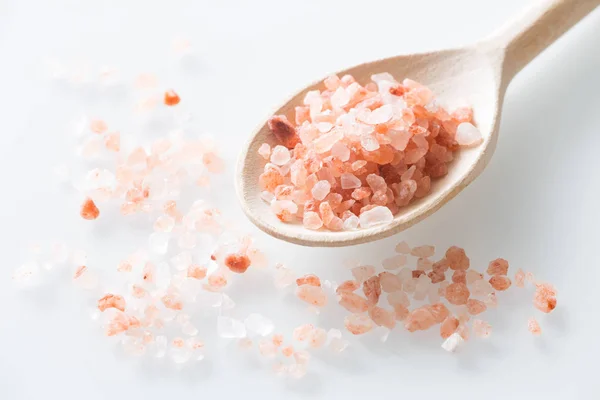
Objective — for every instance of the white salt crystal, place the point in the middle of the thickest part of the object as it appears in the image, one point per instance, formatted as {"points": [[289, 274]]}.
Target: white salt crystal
{"points": [[453, 342], [467, 135], [376, 216], [381, 115], [280, 155], [383, 76], [369, 143], [230, 328], [340, 151], [351, 223], [259, 324]]}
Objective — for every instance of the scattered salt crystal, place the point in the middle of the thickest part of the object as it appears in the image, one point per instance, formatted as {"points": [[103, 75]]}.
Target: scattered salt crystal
{"points": [[453, 342], [534, 327], [376, 216], [468, 135], [259, 325], [230, 328], [481, 328]]}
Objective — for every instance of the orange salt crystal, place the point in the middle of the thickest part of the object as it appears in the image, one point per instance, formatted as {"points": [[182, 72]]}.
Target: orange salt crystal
{"points": [[481, 328], [196, 272], [313, 295], [448, 327], [439, 311], [457, 293], [171, 98], [419, 319], [138, 292], [347, 286], [498, 267], [283, 130], [358, 324], [111, 301], [287, 351], [520, 278], [544, 298], [383, 317], [112, 141], [500, 282], [353, 302], [277, 339], [237, 263], [312, 280], [172, 301], [534, 327], [401, 312], [89, 210], [457, 258]]}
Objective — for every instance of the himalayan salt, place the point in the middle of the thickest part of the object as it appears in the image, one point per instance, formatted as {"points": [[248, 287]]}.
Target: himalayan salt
{"points": [[545, 297], [353, 302], [312, 220], [498, 266], [265, 151], [164, 223], [468, 135], [285, 210], [472, 276], [457, 293], [383, 317], [313, 295], [520, 278], [372, 289], [347, 286], [403, 248], [398, 297], [310, 279], [481, 328], [237, 263], [171, 98], [89, 210], [379, 139], [196, 272], [317, 337], [375, 216], [448, 327], [394, 262], [457, 258], [112, 141], [475, 306], [280, 155], [423, 251], [419, 319], [111, 301], [534, 327], [363, 272], [98, 126], [500, 282], [358, 324], [390, 282]]}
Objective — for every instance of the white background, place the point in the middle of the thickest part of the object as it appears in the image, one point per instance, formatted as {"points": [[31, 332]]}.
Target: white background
{"points": [[536, 204]]}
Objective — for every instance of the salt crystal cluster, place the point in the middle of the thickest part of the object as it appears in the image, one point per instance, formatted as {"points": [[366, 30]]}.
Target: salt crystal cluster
{"points": [[355, 155]]}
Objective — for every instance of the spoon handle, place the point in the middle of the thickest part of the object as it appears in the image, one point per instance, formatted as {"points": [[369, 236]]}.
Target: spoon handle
{"points": [[523, 38]]}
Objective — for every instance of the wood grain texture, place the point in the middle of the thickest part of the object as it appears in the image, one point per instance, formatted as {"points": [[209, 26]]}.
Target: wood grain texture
{"points": [[476, 74]]}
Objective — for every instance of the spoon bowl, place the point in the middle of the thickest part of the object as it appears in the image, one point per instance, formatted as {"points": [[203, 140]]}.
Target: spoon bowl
{"points": [[476, 75]]}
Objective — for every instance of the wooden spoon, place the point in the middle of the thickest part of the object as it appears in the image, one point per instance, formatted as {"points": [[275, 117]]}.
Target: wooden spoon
{"points": [[476, 75]]}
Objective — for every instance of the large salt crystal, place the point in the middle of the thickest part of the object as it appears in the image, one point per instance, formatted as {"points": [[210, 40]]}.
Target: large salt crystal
{"points": [[351, 223], [320, 190], [376, 216], [280, 155], [468, 135], [259, 325], [453, 342], [326, 141], [341, 151], [230, 328], [350, 181], [340, 98], [368, 142], [381, 115]]}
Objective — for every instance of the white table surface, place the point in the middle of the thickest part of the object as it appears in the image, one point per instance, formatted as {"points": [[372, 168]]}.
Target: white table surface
{"points": [[536, 204]]}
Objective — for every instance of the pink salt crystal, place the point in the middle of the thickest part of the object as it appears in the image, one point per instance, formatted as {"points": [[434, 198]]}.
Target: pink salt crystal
{"points": [[439, 311], [280, 155], [376, 182], [390, 282], [482, 288], [112, 141], [302, 332], [481, 328], [283, 130], [340, 151], [213, 163], [350, 181], [267, 348], [475, 306], [111, 301], [394, 262], [372, 289], [398, 297], [491, 300], [423, 251], [369, 143], [520, 278], [317, 337], [467, 135], [459, 277], [137, 156], [98, 126], [309, 279], [448, 327], [500, 282], [321, 190], [498, 266], [376, 216], [164, 223], [285, 210], [363, 273], [287, 351], [457, 258], [332, 82], [196, 272], [313, 295], [473, 276], [356, 165], [311, 220], [463, 114], [353, 302], [265, 151], [534, 327], [545, 297], [402, 248], [383, 317], [358, 324], [457, 293], [347, 286], [419, 319]]}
